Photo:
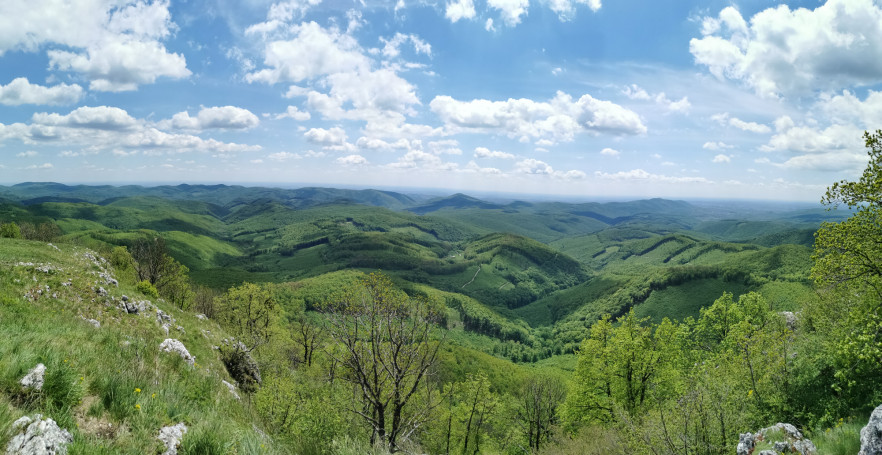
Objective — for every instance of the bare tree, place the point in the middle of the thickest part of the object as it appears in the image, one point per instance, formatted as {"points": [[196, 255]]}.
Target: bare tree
{"points": [[538, 409], [388, 352]]}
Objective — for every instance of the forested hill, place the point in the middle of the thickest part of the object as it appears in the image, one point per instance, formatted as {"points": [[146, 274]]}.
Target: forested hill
{"points": [[511, 290]]}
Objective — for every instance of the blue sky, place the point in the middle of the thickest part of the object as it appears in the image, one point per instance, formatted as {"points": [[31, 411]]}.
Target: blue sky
{"points": [[595, 98]]}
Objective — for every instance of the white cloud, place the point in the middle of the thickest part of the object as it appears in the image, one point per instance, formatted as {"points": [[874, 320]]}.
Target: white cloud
{"points": [[460, 9], [716, 146], [256, 161], [474, 167], [847, 108], [834, 148], [115, 44], [326, 137], [641, 175], [225, 117], [559, 119], [753, 127], [783, 51], [533, 166], [20, 91], [510, 10], [99, 117], [484, 152], [293, 113], [682, 106], [418, 159], [29, 153], [488, 25], [110, 128], [352, 160], [392, 46], [609, 152], [722, 158], [283, 156], [566, 9], [634, 92], [40, 166], [571, 175], [379, 144]]}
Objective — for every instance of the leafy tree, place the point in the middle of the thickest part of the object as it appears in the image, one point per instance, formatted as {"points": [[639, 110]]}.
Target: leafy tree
{"points": [[173, 283], [307, 335], [10, 231], [248, 311], [848, 267], [149, 255], [472, 409], [388, 352], [124, 264], [618, 366]]}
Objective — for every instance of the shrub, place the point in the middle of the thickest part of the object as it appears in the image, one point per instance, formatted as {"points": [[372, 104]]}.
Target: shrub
{"points": [[144, 287]]}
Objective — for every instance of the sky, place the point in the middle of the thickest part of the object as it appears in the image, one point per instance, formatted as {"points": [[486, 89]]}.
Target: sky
{"points": [[593, 98]]}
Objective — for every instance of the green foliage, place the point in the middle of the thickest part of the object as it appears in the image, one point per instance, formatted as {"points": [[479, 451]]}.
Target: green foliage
{"points": [[248, 312], [148, 289], [10, 231], [174, 283]]}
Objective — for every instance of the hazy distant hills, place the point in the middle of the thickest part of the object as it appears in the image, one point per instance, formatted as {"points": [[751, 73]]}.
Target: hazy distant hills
{"points": [[505, 268]]}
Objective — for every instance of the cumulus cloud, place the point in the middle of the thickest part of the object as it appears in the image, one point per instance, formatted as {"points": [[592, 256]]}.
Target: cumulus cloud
{"points": [[484, 152], [780, 51], [533, 166], [474, 167], [392, 46], [40, 166], [20, 91], [225, 117], [609, 152], [641, 175], [566, 9], [510, 10], [460, 9], [293, 113], [28, 154], [848, 108], [109, 128], [116, 45], [722, 159], [379, 144], [716, 145], [559, 119], [753, 127], [352, 160], [834, 148], [326, 137]]}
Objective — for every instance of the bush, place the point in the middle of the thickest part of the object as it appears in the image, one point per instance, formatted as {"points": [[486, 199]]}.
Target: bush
{"points": [[144, 287], [10, 231]]}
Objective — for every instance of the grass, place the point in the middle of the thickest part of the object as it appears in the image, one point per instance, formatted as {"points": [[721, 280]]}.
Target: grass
{"points": [[844, 438], [112, 375]]}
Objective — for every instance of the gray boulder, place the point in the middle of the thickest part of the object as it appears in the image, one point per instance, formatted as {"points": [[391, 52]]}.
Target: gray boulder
{"points": [[871, 435], [770, 439], [171, 436], [38, 436], [176, 347], [34, 378]]}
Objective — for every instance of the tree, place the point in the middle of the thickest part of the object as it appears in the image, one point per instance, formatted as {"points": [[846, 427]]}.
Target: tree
{"points": [[173, 283], [848, 268], [388, 352], [307, 335], [10, 231], [248, 312], [538, 409], [149, 255]]}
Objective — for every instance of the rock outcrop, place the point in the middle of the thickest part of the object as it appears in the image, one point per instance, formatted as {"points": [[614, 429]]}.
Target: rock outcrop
{"points": [[241, 366], [38, 436], [34, 379], [871, 435], [775, 440], [171, 436], [175, 346]]}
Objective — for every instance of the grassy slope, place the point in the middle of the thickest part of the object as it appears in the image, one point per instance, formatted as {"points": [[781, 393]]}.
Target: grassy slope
{"points": [[93, 373]]}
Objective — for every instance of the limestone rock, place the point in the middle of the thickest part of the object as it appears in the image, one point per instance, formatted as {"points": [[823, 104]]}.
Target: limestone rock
{"points": [[171, 436], [871, 435], [793, 442], [232, 389], [175, 346], [34, 378], [38, 436]]}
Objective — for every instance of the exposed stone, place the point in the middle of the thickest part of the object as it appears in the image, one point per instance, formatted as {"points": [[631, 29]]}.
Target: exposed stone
{"points": [[871, 435], [101, 291], [201, 317], [34, 378], [791, 319], [794, 441], [175, 346], [240, 365], [171, 436], [94, 322], [38, 436], [232, 388], [125, 298]]}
